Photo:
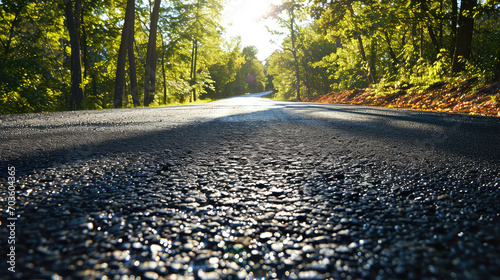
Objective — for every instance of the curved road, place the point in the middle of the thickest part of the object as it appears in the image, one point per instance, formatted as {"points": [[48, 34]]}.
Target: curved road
{"points": [[247, 188]]}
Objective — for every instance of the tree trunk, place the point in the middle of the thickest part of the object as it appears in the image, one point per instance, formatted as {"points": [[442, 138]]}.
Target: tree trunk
{"points": [[122, 53], [454, 17], [150, 75], [194, 69], [84, 46], [433, 38], [294, 51], [11, 30], [134, 87], [73, 25], [191, 77], [441, 22], [394, 58], [425, 10], [465, 31], [163, 69], [297, 74], [164, 79], [373, 60], [125, 96], [63, 64], [421, 41], [360, 43]]}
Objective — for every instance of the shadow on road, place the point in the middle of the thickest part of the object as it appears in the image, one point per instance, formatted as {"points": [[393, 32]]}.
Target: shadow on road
{"points": [[476, 139]]}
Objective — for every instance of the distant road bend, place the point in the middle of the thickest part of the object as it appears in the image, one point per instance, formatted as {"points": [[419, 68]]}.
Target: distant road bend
{"points": [[250, 188]]}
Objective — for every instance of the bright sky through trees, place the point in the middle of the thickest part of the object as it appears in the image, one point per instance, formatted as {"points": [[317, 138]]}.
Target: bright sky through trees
{"points": [[245, 19]]}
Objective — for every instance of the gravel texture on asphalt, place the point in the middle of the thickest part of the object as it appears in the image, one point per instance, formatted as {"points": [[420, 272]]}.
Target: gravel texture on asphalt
{"points": [[247, 188]]}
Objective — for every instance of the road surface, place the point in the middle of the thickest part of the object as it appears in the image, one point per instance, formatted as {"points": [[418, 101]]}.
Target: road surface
{"points": [[249, 188]]}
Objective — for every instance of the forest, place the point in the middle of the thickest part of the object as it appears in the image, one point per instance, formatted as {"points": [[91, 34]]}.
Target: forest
{"points": [[384, 45], [94, 54]]}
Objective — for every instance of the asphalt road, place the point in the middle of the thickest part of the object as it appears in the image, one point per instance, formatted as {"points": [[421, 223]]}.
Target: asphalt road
{"points": [[246, 188]]}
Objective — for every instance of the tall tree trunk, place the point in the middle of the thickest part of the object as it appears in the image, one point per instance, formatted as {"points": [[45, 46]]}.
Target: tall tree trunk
{"points": [[425, 10], [194, 69], [163, 69], [465, 31], [394, 58], [134, 87], [433, 37], [421, 41], [73, 25], [294, 50], [454, 18], [63, 64], [128, 25], [441, 22], [191, 77], [125, 95], [84, 46], [369, 79], [151, 56], [373, 60], [11, 30]]}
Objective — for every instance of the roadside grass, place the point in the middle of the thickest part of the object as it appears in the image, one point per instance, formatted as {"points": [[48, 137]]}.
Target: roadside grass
{"points": [[174, 103]]}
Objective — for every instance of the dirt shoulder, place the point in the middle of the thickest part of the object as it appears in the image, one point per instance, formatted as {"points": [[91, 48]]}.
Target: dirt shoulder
{"points": [[466, 98]]}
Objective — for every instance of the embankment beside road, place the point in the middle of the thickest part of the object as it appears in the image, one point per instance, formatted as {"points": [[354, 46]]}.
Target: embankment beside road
{"points": [[440, 97]]}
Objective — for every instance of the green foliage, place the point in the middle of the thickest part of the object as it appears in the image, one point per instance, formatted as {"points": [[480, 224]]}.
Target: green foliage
{"points": [[30, 72], [345, 69], [224, 71], [253, 71], [315, 78], [486, 46], [237, 72], [280, 67], [344, 44], [387, 45], [420, 76], [35, 53]]}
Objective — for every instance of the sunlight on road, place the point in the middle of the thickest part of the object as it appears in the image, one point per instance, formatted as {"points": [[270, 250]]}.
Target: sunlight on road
{"points": [[250, 100]]}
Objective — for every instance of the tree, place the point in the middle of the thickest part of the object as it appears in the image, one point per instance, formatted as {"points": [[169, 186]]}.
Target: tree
{"points": [[126, 45], [347, 22], [150, 74], [253, 70], [465, 31], [287, 16], [181, 23], [32, 76], [280, 65], [72, 10], [16, 9], [51, 52], [224, 71], [315, 78]]}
